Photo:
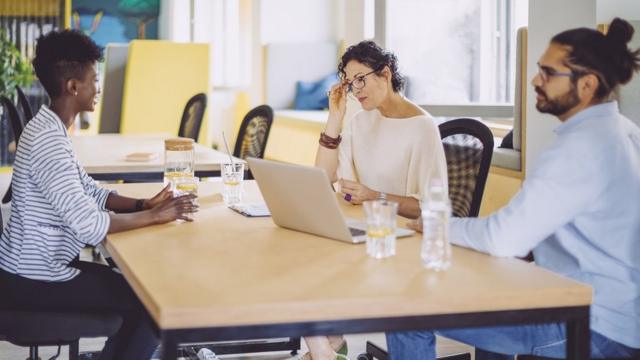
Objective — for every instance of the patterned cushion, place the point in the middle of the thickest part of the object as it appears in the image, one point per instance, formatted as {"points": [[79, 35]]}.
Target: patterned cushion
{"points": [[464, 155], [254, 139]]}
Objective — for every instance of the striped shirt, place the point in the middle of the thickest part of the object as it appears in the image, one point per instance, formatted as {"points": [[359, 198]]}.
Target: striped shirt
{"points": [[56, 208]]}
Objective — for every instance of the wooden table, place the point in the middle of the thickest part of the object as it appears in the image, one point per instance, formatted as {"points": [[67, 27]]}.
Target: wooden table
{"points": [[228, 277], [103, 157]]}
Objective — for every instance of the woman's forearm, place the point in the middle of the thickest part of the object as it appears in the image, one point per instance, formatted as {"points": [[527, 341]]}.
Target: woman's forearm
{"points": [[124, 222], [122, 204], [178, 208], [328, 158], [408, 206]]}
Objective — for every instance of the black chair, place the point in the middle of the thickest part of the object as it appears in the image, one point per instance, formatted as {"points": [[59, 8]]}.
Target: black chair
{"points": [[192, 117], [33, 329], [254, 133], [14, 117], [468, 147], [16, 126], [24, 104]]}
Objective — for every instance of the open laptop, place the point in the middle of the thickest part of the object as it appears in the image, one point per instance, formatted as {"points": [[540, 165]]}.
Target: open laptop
{"points": [[301, 198]]}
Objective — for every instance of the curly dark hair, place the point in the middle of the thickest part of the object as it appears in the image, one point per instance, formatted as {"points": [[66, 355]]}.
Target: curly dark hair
{"points": [[608, 56], [370, 54], [63, 55]]}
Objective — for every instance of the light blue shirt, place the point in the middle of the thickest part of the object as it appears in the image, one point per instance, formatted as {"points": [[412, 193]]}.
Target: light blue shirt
{"points": [[579, 211]]}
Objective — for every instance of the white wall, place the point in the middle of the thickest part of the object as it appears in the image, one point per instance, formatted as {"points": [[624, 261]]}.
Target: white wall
{"points": [[630, 11], [297, 21], [173, 22], [606, 10], [547, 18], [357, 20]]}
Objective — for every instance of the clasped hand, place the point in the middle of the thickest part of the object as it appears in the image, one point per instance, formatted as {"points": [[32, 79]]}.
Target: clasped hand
{"points": [[355, 192], [167, 208]]}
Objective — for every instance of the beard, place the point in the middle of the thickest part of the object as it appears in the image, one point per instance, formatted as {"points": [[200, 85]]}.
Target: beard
{"points": [[559, 105]]}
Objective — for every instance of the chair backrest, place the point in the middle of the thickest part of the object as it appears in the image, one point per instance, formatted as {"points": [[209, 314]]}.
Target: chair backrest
{"points": [[14, 117], [468, 147], [24, 104], [192, 117], [254, 132], [16, 126]]}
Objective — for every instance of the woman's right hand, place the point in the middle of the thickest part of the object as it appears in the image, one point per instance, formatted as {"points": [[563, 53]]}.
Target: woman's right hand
{"points": [[338, 99], [415, 224], [175, 208]]}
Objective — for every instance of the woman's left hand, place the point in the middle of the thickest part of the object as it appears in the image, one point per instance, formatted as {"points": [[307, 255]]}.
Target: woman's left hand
{"points": [[159, 198], [355, 192]]}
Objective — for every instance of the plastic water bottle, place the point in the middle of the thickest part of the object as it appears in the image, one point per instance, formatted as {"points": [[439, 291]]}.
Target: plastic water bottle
{"points": [[436, 209]]}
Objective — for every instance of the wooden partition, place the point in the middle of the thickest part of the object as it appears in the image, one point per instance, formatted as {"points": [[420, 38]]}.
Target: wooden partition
{"points": [[160, 77]]}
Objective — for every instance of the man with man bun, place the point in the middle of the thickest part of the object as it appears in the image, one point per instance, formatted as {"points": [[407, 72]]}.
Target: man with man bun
{"points": [[578, 210]]}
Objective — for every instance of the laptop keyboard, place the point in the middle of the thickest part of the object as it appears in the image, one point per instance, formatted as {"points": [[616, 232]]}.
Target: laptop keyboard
{"points": [[357, 232]]}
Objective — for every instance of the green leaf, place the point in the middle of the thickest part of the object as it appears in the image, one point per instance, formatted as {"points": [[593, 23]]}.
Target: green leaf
{"points": [[15, 70]]}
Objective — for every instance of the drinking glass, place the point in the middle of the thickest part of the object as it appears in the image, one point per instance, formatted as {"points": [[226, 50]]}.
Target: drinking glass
{"points": [[186, 185], [381, 228], [232, 176]]}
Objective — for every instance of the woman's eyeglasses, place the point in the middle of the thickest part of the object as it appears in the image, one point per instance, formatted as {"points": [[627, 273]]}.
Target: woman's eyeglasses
{"points": [[358, 82]]}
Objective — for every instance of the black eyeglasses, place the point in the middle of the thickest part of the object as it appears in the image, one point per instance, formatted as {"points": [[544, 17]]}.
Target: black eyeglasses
{"points": [[358, 82], [546, 73]]}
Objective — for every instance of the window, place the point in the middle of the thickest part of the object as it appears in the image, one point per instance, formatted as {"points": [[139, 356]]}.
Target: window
{"points": [[457, 51], [218, 22]]}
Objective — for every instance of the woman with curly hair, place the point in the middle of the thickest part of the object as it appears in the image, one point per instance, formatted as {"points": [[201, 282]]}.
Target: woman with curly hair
{"points": [[389, 150]]}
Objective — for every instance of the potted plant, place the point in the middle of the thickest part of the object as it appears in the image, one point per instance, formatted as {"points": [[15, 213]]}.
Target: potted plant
{"points": [[14, 71]]}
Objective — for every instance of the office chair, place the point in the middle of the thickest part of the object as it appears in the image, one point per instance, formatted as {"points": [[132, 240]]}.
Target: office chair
{"points": [[16, 127], [24, 104], [468, 147], [253, 134], [192, 117], [33, 329], [14, 117]]}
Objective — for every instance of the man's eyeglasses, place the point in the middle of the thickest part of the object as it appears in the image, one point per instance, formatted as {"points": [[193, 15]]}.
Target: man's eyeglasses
{"points": [[546, 73], [358, 82]]}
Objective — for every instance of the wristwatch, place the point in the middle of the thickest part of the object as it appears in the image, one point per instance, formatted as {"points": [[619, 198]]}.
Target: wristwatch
{"points": [[139, 205]]}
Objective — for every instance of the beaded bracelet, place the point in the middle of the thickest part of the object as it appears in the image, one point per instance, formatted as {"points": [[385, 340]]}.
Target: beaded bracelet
{"points": [[328, 141]]}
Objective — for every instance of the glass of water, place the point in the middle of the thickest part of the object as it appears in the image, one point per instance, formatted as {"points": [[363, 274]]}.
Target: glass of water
{"points": [[186, 185], [232, 176], [381, 228]]}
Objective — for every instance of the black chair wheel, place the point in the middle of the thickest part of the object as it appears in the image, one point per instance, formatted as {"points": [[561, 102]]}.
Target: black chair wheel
{"points": [[364, 356]]}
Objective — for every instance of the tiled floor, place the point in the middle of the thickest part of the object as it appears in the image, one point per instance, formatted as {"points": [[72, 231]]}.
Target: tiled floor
{"points": [[356, 342]]}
